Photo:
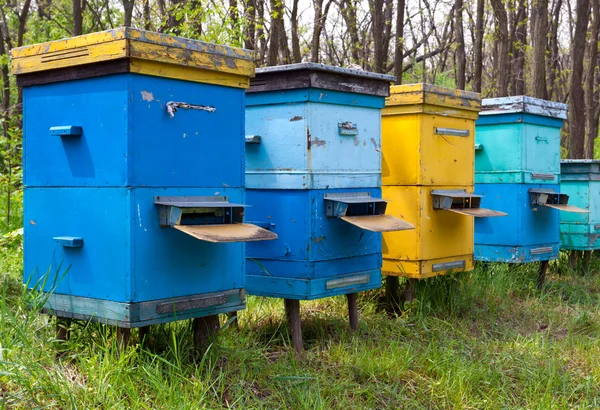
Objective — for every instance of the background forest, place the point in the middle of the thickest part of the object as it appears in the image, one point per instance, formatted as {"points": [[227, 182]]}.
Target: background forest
{"points": [[543, 48]]}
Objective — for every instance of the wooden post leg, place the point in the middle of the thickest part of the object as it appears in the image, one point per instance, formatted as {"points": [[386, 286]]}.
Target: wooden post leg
{"points": [[353, 310], [123, 335], [587, 259], [573, 260], [408, 295], [205, 329], [292, 312], [143, 334], [235, 323], [392, 293], [62, 330], [542, 274]]}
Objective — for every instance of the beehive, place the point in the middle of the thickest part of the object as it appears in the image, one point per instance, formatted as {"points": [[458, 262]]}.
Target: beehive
{"points": [[517, 171], [427, 143], [580, 179], [125, 200]]}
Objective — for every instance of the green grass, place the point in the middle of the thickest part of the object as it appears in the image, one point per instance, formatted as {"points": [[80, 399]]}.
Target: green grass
{"points": [[486, 339]]}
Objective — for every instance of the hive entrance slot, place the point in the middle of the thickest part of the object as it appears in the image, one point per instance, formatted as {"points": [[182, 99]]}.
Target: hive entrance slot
{"points": [[363, 211], [210, 219], [461, 202], [552, 199]]}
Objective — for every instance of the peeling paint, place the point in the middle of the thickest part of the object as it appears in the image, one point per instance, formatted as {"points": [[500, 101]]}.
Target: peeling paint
{"points": [[147, 96], [317, 142], [296, 118]]}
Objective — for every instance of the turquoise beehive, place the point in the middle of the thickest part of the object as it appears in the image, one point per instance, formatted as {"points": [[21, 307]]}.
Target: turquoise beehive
{"points": [[580, 179]]}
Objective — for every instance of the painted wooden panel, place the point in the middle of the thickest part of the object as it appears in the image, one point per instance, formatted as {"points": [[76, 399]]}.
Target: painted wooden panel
{"points": [[437, 234], [527, 234], [140, 45], [422, 269], [334, 142], [146, 261], [304, 231], [428, 137], [309, 289], [129, 138]]}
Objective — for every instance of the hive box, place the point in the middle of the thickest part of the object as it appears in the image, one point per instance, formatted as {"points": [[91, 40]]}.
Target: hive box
{"points": [[314, 176], [580, 179], [125, 201], [518, 141], [428, 132]]}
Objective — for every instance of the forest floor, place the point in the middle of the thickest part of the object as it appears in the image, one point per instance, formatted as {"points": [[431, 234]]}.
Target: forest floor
{"points": [[486, 339]]}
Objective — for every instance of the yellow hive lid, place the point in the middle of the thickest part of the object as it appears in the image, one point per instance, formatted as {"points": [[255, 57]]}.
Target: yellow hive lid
{"points": [[138, 51], [432, 99]]}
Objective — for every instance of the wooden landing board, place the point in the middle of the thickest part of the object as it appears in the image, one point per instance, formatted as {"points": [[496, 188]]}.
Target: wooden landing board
{"points": [[568, 208], [378, 223], [227, 232], [477, 212]]}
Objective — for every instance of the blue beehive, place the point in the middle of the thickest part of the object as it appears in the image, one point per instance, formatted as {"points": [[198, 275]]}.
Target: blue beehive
{"points": [[122, 184], [580, 179], [517, 168], [314, 177]]}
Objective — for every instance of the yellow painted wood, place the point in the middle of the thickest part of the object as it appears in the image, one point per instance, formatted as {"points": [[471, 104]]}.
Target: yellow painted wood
{"points": [[93, 53], [438, 235], [140, 45], [423, 269], [187, 73], [412, 152]]}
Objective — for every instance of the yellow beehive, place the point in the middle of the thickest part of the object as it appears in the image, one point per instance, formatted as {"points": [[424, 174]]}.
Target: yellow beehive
{"points": [[428, 135], [428, 145]]}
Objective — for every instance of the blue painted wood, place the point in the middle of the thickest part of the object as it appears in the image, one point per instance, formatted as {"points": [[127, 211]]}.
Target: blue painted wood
{"points": [[311, 246], [129, 139], [127, 256], [69, 241], [516, 254], [580, 179], [521, 141], [138, 313], [525, 228], [67, 130], [301, 146], [310, 289]]}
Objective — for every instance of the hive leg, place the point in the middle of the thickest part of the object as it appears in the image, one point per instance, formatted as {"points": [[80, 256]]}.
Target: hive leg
{"points": [[542, 274], [235, 323], [352, 310], [408, 294], [292, 312], [587, 259], [573, 260], [392, 293], [143, 334], [204, 330], [123, 335]]}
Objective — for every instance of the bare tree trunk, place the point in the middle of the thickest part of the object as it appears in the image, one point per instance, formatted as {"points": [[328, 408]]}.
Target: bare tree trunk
{"points": [[233, 15], [592, 103], [479, 32], [296, 54], [77, 18], [381, 29], [128, 12], [554, 55], [147, 17], [5, 116], [502, 69], [519, 42], [261, 39], [250, 34], [277, 10], [348, 11], [398, 54], [539, 40], [460, 58], [577, 109]]}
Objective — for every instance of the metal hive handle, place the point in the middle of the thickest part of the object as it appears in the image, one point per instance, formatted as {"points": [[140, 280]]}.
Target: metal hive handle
{"points": [[173, 106]]}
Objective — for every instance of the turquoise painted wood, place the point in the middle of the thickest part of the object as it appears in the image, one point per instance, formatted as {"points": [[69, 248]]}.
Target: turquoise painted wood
{"points": [[580, 179], [311, 137], [518, 141]]}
